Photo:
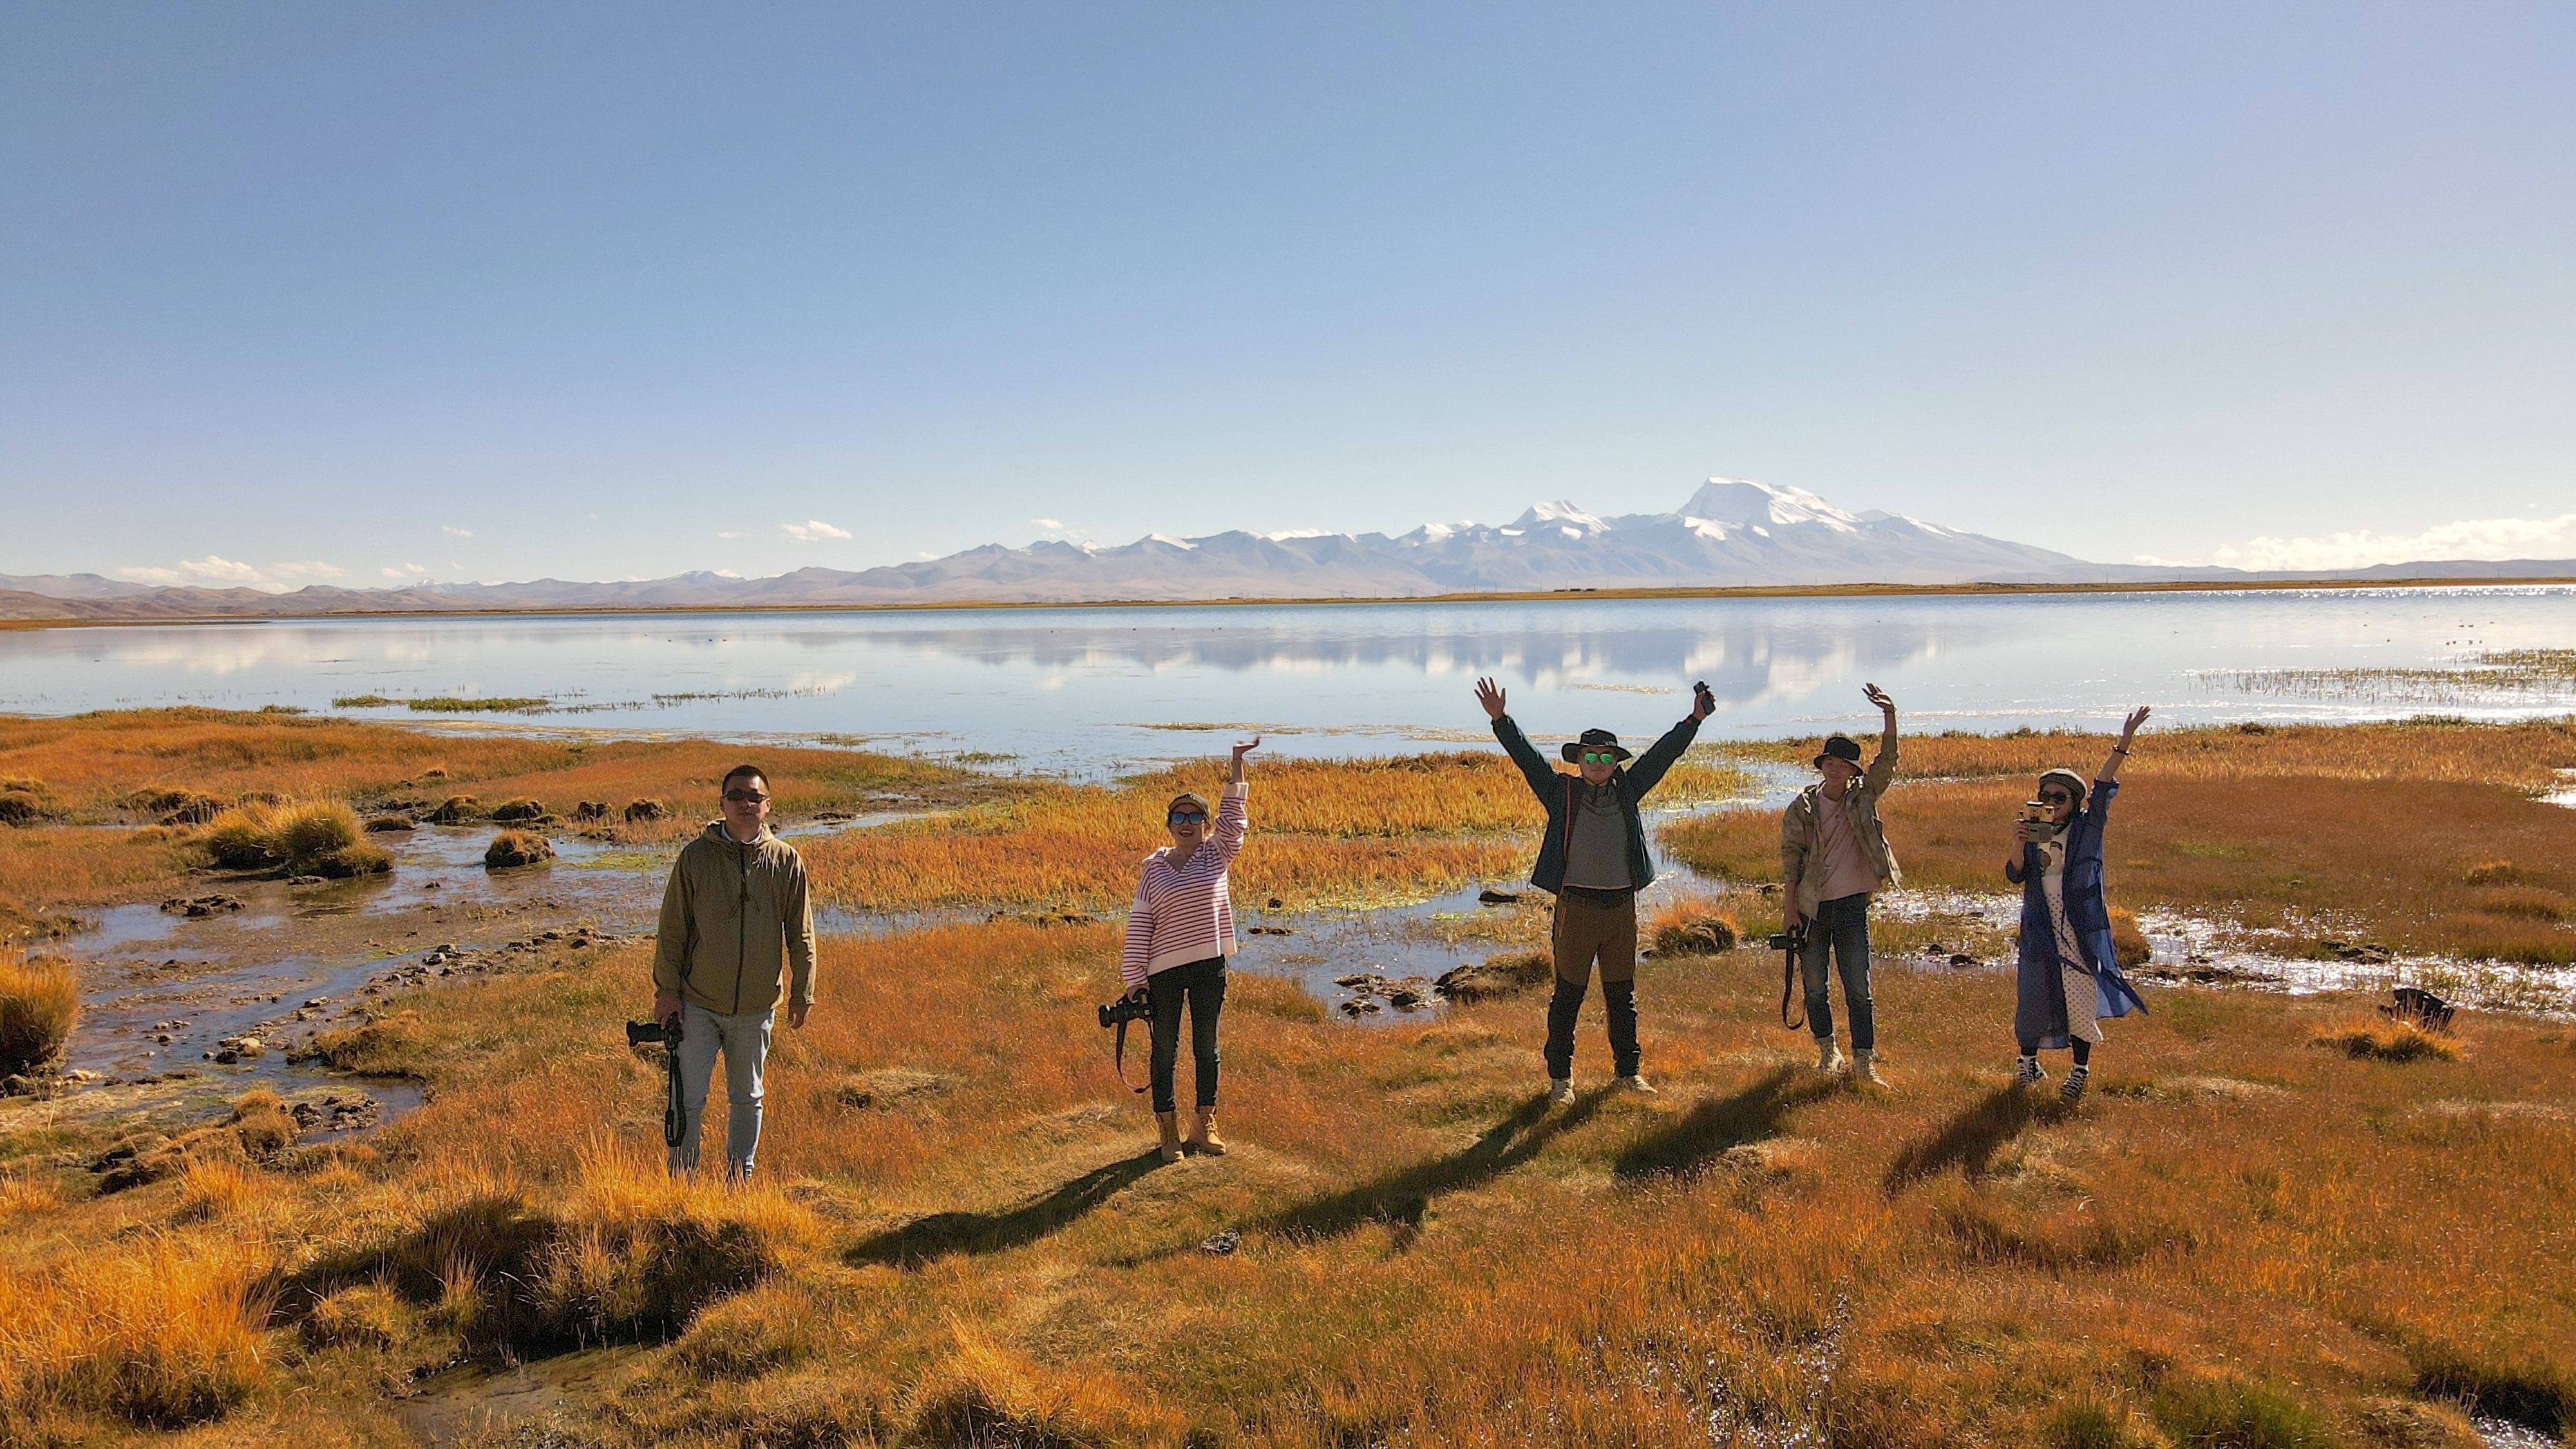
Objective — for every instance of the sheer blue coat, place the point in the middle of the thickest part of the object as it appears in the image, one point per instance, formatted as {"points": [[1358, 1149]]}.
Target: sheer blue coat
{"points": [[2039, 1012]]}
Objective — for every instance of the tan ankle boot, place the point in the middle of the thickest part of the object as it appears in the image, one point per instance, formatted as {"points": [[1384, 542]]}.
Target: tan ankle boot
{"points": [[1169, 1124], [1203, 1137]]}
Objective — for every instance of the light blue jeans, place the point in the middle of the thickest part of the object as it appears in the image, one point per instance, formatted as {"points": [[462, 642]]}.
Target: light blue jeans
{"points": [[745, 1040]]}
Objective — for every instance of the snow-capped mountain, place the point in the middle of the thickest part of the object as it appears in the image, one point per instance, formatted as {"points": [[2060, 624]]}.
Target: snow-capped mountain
{"points": [[1732, 532]]}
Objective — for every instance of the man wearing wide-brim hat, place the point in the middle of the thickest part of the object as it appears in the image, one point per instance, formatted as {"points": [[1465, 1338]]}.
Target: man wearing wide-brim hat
{"points": [[1833, 858], [1593, 860]]}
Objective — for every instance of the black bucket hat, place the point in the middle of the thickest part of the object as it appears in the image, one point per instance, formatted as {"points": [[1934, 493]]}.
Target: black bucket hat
{"points": [[1840, 747], [1592, 740]]}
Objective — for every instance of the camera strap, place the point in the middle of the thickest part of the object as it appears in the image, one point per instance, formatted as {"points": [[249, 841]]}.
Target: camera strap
{"points": [[1118, 1057], [1789, 981]]}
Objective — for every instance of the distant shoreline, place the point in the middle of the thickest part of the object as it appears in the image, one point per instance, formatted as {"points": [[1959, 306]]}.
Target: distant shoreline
{"points": [[1742, 591]]}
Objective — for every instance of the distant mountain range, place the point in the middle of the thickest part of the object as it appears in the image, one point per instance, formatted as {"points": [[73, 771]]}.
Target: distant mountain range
{"points": [[1731, 533]]}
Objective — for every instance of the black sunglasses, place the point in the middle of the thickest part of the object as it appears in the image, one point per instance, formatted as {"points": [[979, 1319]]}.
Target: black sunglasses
{"points": [[1187, 817], [744, 797], [2058, 797]]}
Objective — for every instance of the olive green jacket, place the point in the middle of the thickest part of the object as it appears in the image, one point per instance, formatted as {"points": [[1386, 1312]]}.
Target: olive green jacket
{"points": [[731, 916], [1802, 840]]}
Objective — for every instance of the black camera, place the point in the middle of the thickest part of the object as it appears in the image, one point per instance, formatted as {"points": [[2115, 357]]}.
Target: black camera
{"points": [[1125, 1009], [639, 1033], [1790, 940]]}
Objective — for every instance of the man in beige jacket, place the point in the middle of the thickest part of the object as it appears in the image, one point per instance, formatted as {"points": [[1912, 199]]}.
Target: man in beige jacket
{"points": [[1833, 858], [734, 912]]}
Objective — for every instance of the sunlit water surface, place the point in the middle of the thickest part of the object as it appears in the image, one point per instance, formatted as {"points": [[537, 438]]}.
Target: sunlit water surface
{"points": [[1083, 690]]}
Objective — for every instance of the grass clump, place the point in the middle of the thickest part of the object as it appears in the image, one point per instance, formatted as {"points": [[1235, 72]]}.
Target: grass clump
{"points": [[39, 1005], [2226, 1412], [2529, 1390], [456, 704], [2387, 1040], [366, 1315], [314, 837], [513, 848], [161, 1333]]}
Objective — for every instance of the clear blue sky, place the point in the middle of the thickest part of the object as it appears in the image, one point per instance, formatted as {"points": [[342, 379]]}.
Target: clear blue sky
{"points": [[340, 283]]}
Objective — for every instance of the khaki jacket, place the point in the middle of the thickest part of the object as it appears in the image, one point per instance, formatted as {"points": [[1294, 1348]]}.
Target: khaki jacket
{"points": [[731, 916], [1802, 841]]}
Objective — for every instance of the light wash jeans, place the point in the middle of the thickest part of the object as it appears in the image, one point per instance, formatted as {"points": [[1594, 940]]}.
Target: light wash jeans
{"points": [[745, 1040]]}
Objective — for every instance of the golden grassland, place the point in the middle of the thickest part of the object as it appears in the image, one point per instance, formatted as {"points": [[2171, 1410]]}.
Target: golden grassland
{"points": [[1331, 833], [2425, 836], [960, 1237]]}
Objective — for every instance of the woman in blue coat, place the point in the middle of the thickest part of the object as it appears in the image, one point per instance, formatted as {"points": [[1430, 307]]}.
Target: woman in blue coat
{"points": [[2069, 978]]}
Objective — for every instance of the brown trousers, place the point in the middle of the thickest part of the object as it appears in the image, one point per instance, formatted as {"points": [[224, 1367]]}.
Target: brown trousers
{"points": [[1587, 931]]}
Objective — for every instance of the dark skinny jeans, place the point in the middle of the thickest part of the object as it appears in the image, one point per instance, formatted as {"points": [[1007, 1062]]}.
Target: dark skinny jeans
{"points": [[1840, 925], [1202, 985]]}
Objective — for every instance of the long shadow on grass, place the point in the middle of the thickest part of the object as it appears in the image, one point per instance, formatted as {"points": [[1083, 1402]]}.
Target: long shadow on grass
{"points": [[1970, 1140], [940, 1235], [1400, 1198], [1718, 1123]]}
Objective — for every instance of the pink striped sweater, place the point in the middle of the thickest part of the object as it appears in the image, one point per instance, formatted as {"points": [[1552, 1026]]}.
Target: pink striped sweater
{"points": [[1186, 914]]}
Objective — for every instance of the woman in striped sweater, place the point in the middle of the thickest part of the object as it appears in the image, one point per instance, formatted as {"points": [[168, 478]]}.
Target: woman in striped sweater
{"points": [[1179, 933]]}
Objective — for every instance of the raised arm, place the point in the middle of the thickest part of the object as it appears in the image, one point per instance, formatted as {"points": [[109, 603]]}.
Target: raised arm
{"points": [[1540, 775], [1233, 812], [2110, 770], [1649, 770], [1882, 766]]}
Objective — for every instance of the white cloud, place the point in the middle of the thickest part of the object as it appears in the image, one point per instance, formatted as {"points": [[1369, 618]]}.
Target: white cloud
{"points": [[925, 555], [728, 535], [727, 574], [1051, 525], [215, 569], [813, 530], [1056, 530], [307, 569], [2148, 560], [452, 531], [2468, 538], [406, 571]]}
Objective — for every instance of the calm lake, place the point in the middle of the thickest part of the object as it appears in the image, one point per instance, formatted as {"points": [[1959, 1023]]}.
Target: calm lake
{"points": [[1083, 690]]}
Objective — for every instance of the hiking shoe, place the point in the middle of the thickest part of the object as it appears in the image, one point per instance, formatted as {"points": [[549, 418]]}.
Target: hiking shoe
{"points": [[1829, 1058], [1864, 1069], [2073, 1088], [1167, 1127], [2028, 1073], [1560, 1091], [1203, 1138], [1637, 1083]]}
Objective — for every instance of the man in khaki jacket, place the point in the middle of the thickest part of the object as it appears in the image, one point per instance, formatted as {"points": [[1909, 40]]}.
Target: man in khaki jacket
{"points": [[1833, 858], [734, 912]]}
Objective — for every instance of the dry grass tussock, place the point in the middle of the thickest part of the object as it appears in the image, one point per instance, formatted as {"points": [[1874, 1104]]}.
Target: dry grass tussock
{"points": [[1325, 832], [39, 1005], [1428, 1253], [2383, 1039], [2455, 857], [312, 837]]}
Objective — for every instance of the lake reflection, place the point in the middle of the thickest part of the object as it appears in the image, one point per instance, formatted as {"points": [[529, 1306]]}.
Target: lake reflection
{"points": [[1081, 689]]}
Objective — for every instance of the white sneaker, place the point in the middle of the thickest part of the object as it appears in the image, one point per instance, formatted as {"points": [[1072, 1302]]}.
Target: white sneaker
{"points": [[2028, 1074], [1829, 1058], [1635, 1082], [1560, 1091]]}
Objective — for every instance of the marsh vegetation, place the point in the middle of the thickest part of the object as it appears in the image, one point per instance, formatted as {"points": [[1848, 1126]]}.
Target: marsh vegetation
{"points": [[2274, 1222]]}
